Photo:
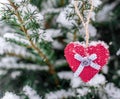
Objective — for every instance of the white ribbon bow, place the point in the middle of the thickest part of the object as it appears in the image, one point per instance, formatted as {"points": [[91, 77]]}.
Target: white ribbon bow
{"points": [[85, 61]]}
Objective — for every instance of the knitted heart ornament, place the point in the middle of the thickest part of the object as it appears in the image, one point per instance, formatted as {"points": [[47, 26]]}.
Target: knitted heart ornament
{"points": [[86, 62]]}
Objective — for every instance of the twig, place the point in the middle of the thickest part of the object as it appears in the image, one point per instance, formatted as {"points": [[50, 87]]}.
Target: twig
{"points": [[14, 54], [19, 56], [51, 67], [75, 35], [62, 2]]}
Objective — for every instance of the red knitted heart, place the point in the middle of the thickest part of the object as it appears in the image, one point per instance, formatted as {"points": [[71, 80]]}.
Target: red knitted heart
{"points": [[97, 56]]}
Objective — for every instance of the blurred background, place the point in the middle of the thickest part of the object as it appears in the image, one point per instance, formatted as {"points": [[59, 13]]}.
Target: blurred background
{"points": [[25, 75]]}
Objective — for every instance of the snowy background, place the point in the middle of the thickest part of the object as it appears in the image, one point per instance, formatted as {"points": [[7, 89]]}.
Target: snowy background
{"points": [[25, 75]]}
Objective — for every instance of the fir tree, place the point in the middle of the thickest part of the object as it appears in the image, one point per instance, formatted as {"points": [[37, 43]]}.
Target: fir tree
{"points": [[33, 35]]}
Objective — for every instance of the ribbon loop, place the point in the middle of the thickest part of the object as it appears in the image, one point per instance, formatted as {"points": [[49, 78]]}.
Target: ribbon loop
{"points": [[93, 57], [78, 57], [95, 66]]}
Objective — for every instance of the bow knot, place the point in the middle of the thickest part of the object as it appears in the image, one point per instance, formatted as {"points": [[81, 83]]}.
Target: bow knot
{"points": [[85, 61]]}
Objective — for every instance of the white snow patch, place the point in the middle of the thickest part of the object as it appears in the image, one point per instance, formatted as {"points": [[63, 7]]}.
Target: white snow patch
{"points": [[11, 63], [96, 3], [92, 30], [8, 59], [16, 37], [93, 14], [10, 95], [82, 91], [15, 74], [76, 82], [98, 80], [31, 8], [118, 52], [8, 47], [105, 69], [60, 62], [65, 75], [70, 37], [5, 28], [49, 4], [3, 72], [60, 94], [49, 34], [57, 45], [110, 43], [31, 93], [2, 2], [112, 91], [118, 72], [17, 1], [104, 14], [64, 21], [53, 32], [51, 10]]}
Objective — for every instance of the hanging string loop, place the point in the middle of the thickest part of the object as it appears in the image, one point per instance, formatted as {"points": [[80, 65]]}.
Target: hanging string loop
{"points": [[85, 24]]}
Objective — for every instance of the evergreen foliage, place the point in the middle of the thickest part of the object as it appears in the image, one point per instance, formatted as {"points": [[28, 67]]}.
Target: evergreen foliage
{"points": [[33, 35]]}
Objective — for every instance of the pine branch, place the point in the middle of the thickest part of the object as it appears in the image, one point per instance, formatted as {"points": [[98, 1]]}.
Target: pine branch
{"points": [[14, 54], [30, 58], [46, 60]]}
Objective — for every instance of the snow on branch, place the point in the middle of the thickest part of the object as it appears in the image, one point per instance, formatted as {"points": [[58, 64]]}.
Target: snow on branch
{"points": [[118, 52], [60, 94], [7, 47], [76, 82], [25, 7], [49, 34], [112, 91], [10, 95], [11, 63], [68, 18], [31, 93], [16, 37], [105, 13], [51, 10]]}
